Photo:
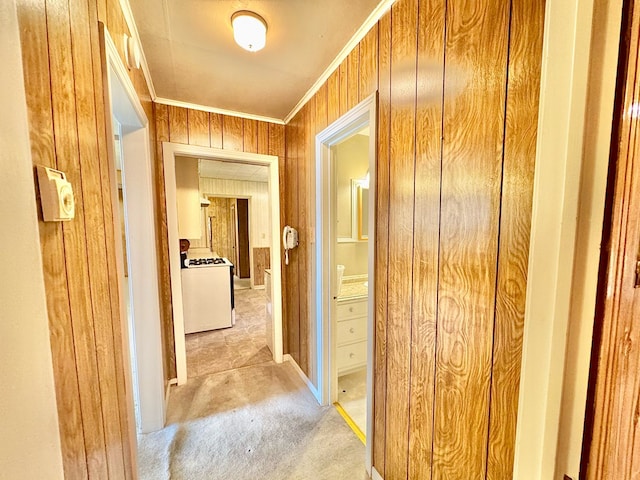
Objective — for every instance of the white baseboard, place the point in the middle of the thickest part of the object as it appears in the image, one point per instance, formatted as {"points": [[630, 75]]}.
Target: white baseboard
{"points": [[305, 379], [375, 475]]}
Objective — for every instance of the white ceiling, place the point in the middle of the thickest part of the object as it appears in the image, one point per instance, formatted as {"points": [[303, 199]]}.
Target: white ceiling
{"points": [[193, 58], [233, 171]]}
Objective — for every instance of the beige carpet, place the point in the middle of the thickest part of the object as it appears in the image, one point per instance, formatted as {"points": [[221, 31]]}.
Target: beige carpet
{"points": [[242, 345], [258, 422]]}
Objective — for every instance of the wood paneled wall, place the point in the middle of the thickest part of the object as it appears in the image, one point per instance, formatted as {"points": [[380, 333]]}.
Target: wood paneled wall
{"points": [[458, 86], [64, 85], [195, 127]]}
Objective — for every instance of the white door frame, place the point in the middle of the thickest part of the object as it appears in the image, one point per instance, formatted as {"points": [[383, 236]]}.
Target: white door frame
{"points": [[363, 114], [170, 151], [122, 103]]}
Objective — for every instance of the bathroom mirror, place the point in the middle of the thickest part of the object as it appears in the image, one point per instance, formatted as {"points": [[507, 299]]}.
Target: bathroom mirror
{"points": [[363, 212]]}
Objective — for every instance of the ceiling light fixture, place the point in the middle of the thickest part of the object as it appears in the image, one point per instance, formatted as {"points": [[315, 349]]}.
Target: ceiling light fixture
{"points": [[249, 30]]}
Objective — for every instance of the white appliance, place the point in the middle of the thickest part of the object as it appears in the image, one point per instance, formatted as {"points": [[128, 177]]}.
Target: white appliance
{"points": [[207, 295]]}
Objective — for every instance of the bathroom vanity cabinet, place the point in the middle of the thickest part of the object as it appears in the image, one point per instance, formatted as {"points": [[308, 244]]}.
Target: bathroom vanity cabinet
{"points": [[351, 334]]}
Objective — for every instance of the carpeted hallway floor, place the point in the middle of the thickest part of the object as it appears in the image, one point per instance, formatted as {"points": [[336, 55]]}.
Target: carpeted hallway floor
{"points": [[257, 422]]}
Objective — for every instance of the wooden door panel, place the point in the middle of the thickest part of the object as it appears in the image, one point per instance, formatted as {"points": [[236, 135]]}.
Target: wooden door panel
{"points": [[612, 441]]}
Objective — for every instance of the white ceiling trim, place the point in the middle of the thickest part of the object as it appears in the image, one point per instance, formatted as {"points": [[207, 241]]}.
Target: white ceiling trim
{"points": [[231, 113], [128, 17], [382, 8]]}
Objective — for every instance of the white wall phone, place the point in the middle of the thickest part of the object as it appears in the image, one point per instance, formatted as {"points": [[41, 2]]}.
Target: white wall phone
{"points": [[289, 240]]}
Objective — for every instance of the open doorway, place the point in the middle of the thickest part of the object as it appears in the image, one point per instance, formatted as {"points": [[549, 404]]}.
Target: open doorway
{"points": [[133, 205], [233, 199], [261, 229], [344, 259]]}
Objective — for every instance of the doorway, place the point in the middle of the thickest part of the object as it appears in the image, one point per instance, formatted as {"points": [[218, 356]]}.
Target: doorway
{"points": [[133, 205], [170, 152], [344, 256]]}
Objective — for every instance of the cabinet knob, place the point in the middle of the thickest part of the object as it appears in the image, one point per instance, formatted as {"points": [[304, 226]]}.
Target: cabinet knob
{"points": [[351, 355], [351, 309], [351, 330]]}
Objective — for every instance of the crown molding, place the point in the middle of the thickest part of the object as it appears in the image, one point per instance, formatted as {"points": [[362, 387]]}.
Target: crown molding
{"points": [[382, 8], [231, 113], [133, 29]]}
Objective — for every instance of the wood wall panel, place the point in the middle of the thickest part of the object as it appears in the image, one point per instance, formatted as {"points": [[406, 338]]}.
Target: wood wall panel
{"points": [[368, 64], [611, 446], [382, 244], [277, 146], [473, 125], [261, 261], [198, 128], [515, 224], [263, 138], [96, 237], [430, 76], [250, 135], [333, 97], [232, 133], [452, 229], [64, 80], [215, 128], [401, 205], [178, 125], [32, 18], [353, 78], [74, 233]]}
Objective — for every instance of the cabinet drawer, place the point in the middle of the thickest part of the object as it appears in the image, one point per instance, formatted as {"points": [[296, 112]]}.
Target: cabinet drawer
{"points": [[352, 309], [349, 356], [350, 331]]}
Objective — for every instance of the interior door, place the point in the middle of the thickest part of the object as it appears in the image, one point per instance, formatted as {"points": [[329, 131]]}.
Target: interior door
{"points": [[242, 210], [612, 439]]}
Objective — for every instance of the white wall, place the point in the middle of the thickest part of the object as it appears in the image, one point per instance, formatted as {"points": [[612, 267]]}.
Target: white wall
{"points": [[188, 198], [259, 217], [29, 442]]}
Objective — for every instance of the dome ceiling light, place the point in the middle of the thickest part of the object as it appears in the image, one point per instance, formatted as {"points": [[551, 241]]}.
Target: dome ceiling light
{"points": [[249, 30]]}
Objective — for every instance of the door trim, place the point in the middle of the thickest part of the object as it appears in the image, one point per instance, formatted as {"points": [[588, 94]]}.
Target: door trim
{"points": [[365, 113], [169, 153]]}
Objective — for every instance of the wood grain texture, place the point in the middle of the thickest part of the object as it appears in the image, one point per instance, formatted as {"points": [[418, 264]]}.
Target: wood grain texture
{"points": [[353, 77], [119, 330], [232, 133], [321, 109], [261, 261], [525, 52], [178, 125], [368, 64], [74, 233], [95, 236], [35, 57], [243, 269], [277, 146], [250, 135], [401, 205], [343, 88], [475, 72], [161, 113], [222, 229], [426, 229], [263, 138], [614, 449], [305, 269], [198, 128], [215, 128], [291, 219], [382, 245], [333, 97]]}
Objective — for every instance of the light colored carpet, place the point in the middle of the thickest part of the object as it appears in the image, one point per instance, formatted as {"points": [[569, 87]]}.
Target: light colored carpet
{"points": [[242, 345], [258, 422]]}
